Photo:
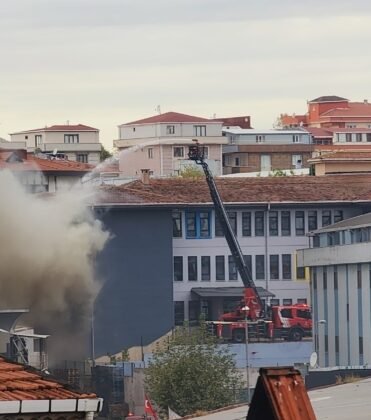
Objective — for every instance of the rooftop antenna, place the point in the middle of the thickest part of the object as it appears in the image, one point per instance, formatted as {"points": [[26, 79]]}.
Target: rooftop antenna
{"points": [[158, 109], [68, 122]]}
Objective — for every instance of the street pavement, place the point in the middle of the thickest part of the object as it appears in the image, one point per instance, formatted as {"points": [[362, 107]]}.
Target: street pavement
{"points": [[338, 402]]}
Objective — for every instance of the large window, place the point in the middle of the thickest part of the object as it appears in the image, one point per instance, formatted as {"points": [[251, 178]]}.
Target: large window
{"points": [[232, 268], [248, 263], [299, 223], [192, 268], [193, 310], [326, 217], [285, 223], [286, 266], [205, 268], [220, 268], [259, 223], [273, 223], [312, 220], [38, 140], [274, 269], [348, 137], [82, 157], [178, 268], [71, 138], [170, 129], [246, 223], [200, 130], [177, 224], [179, 312], [198, 224], [259, 267], [232, 217], [178, 151], [338, 216]]}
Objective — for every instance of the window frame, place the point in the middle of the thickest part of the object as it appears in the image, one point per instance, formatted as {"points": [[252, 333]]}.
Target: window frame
{"points": [[205, 275], [178, 262], [197, 219], [273, 223], [284, 230], [246, 219], [232, 217], [312, 217], [192, 260], [286, 273], [260, 264], [82, 157], [219, 263], [232, 269], [175, 156], [170, 129], [150, 153], [174, 219], [299, 215], [179, 310], [274, 266], [199, 130], [72, 137], [261, 215]]}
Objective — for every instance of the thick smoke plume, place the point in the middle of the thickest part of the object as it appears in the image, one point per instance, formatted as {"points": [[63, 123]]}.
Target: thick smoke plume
{"points": [[47, 250]]}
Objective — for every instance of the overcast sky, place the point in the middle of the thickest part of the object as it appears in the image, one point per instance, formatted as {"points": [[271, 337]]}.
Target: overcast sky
{"points": [[107, 62]]}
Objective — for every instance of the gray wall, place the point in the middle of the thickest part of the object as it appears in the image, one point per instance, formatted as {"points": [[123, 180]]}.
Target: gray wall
{"points": [[136, 300]]}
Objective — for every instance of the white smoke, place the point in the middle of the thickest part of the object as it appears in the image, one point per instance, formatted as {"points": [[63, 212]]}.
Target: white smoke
{"points": [[47, 249]]}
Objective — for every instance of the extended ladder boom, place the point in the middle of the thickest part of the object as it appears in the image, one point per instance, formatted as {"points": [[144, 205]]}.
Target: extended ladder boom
{"points": [[252, 299]]}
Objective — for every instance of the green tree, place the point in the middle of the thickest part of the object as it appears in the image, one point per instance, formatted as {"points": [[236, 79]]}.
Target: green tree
{"points": [[191, 171], [104, 154], [192, 373]]}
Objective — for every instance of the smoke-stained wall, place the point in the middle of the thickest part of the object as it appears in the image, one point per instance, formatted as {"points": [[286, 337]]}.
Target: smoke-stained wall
{"points": [[136, 300]]}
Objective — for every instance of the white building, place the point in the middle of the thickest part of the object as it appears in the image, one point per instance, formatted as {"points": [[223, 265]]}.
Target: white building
{"points": [[340, 266], [160, 144], [77, 142]]}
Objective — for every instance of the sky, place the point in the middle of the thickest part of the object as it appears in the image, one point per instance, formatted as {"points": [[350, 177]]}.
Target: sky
{"points": [[107, 62]]}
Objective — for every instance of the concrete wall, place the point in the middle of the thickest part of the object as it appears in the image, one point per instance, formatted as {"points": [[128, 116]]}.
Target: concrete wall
{"points": [[136, 300], [269, 137]]}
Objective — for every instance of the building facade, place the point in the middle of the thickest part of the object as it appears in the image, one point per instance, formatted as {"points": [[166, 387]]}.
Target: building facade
{"points": [[160, 144], [340, 270], [76, 142], [258, 150]]}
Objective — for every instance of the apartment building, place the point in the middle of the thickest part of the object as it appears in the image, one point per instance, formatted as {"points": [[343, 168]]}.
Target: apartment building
{"points": [[340, 271], [160, 143], [251, 150], [75, 142]]}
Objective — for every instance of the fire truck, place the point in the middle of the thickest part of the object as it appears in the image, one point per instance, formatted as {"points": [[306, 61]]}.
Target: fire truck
{"points": [[288, 322]]}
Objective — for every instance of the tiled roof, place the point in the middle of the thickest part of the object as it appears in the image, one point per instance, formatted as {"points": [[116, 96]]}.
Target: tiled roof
{"points": [[66, 127], [32, 163], [355, 109], [179, 191], [170, 117], [18, 384], [330, 98], [317, 132], [243, 122]]}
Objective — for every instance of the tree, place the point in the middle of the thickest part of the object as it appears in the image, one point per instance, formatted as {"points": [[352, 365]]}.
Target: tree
{"points": [[191, 171], [104, 154], [192, 373]]}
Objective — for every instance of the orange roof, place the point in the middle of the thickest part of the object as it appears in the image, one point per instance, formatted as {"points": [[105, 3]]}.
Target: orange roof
{"points": [[355, 109], [170, 117], [317, 132], [18, 383], [66, 127]]}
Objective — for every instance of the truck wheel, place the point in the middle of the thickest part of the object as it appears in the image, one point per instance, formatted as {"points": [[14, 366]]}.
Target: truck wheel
{"points": [[296, 334], [238, 336]]}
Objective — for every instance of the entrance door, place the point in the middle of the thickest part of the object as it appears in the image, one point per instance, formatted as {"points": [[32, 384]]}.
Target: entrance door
{"points": [[265, 162]]}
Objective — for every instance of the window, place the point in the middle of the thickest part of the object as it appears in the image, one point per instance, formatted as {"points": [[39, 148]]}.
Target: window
{"points": [[287, 302], [286, 313], [295, 138], [178, 151], [170, 129], [178, 268], [299, 223], [259, 267], [275, 302], [324, 278], [285, 223], [82, 157], [312, 220], [348, 137], [192, 268], [286, 267], [359, 276], [273, 223], [246, 223], [232, 217], [193, 310], [230, 304], [232, 268], [358, 137], [177, 224], [368, 137], [300, 273], [150, 153], [237, 161], [303, 314], [338, 216], [303, 301], [198, 224], [335, 278], [205, 268], [179, 312], [259, 223], [260, 139], [273, 267], [71, 138], [326, 217], [220, 268], [297, 161], [248, 262], [38, 140], [200, 130]]}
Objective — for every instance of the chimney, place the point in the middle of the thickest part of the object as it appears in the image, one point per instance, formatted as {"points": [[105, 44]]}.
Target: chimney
{"points": [[365, 101], [145, 176]]}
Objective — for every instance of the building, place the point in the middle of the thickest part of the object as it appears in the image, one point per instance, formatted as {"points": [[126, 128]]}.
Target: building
{"points": [[160, 144], [26, 393], [340, 267], [342, 161], [241, 122], [149, 266], [42, 173], [265, 150], [76, 142]]}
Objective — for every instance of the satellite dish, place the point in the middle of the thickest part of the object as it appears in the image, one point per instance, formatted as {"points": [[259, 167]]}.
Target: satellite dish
{"points": [[313, 360]]}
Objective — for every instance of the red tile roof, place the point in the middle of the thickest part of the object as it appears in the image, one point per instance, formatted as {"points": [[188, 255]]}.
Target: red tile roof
{"points": [[170, 117], [20, 383], [66, 127], [243, 122], [355, 109], [317, 132], [33, 163], [179, 191]]}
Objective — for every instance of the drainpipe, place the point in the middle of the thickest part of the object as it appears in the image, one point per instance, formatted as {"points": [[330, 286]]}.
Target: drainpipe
{"points": [[266, 245]]}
